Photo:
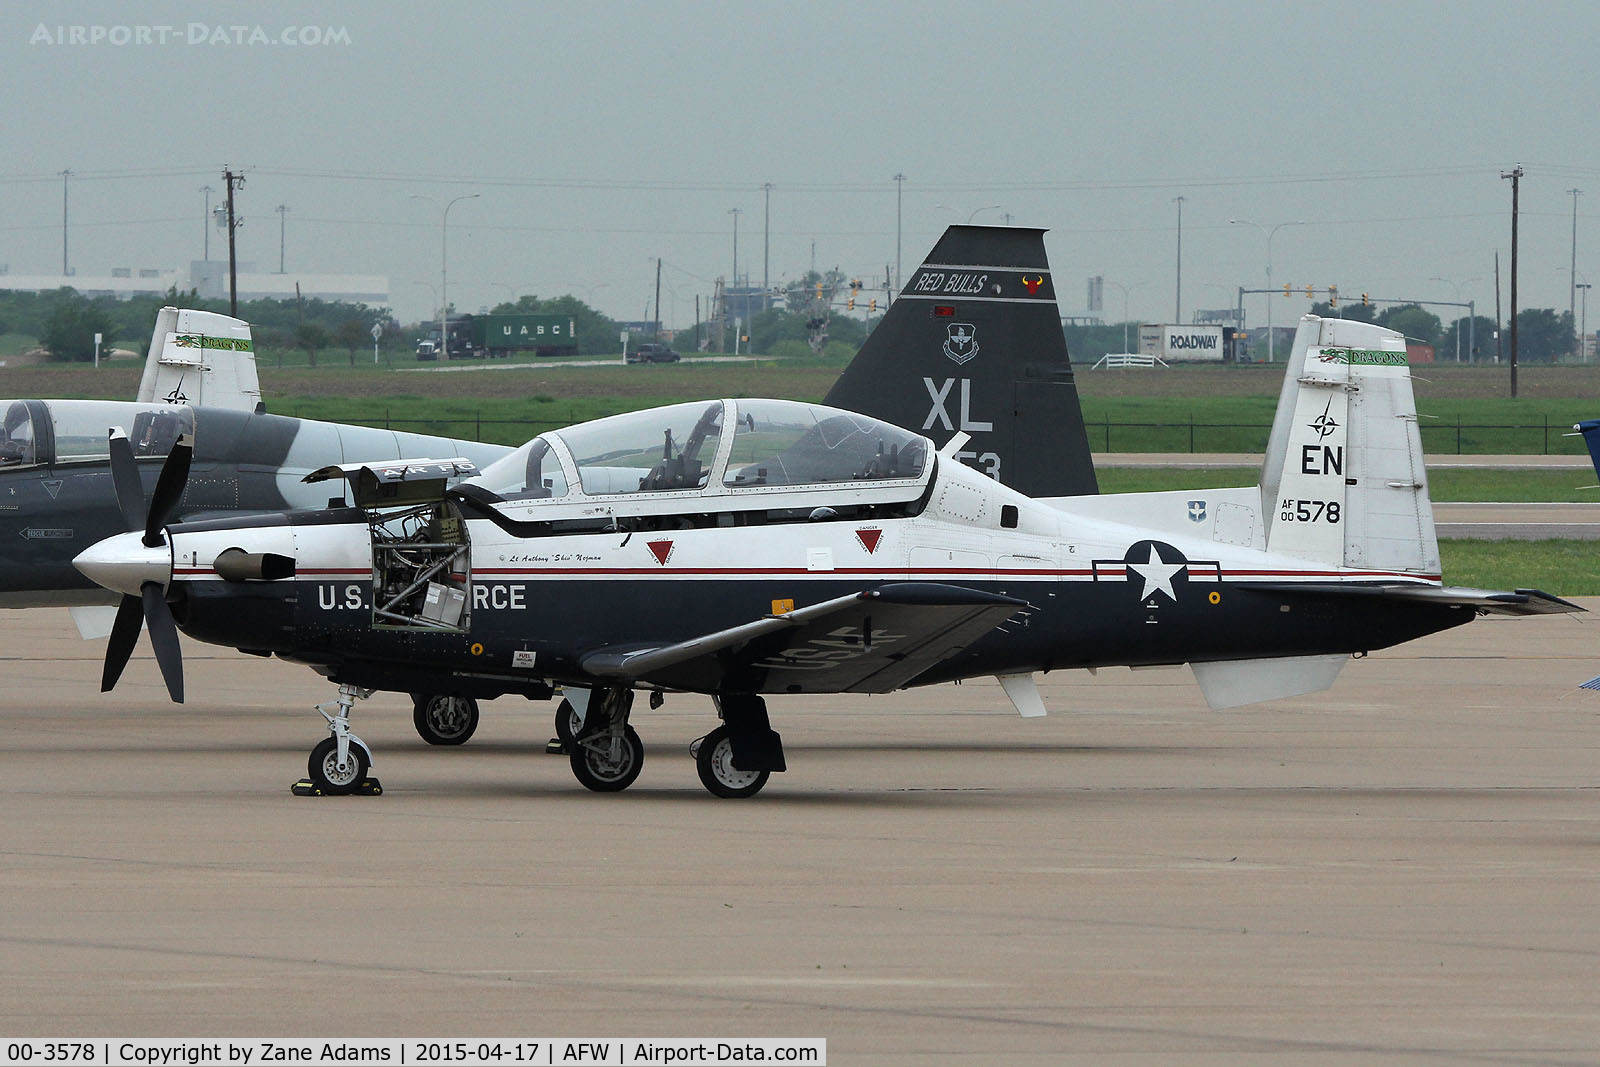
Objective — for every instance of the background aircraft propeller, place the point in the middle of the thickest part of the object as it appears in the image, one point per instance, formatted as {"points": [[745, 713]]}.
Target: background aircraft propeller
{"points": [[151, 604]]}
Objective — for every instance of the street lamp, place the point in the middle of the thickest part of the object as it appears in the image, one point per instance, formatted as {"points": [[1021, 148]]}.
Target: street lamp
{"points": [[973, 215], [1270, 231], [444, 263], [1583, 331], [1124, 289], [1458, 286]]}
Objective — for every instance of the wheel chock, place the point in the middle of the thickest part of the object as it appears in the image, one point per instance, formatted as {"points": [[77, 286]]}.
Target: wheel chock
{"points": [[369, 787]]}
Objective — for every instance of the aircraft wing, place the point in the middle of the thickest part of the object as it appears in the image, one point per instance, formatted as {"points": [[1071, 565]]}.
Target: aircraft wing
{"points": [[1520, 602], [874, 641]]}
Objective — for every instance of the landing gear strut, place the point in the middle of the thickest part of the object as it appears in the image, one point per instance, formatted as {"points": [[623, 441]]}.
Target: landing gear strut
{"points": [[339, 763], [606, 754]]}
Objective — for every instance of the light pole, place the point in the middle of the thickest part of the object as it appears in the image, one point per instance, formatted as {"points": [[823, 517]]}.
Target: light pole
{"points": [[1572, 296], [1457, 286], [1270, 231], [1583, 331], [972, 215], [1124, 289], [1177, 309], [444, 263], [207, 227], [283, 214]]}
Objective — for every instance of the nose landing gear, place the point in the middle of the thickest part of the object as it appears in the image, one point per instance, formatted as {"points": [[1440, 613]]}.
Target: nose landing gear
{"points": [[339, 763]]}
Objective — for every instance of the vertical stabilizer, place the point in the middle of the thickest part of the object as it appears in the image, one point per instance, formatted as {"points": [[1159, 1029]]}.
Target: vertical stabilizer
{"points": [[1344, 481], [200, 358], [973, 345]]}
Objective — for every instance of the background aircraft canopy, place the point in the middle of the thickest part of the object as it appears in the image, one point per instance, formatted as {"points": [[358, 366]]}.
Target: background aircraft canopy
{"points": [[66, 431]]}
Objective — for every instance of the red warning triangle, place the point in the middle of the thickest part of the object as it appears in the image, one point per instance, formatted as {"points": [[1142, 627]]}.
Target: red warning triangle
{"points": [[660, 550], [869, 539]]}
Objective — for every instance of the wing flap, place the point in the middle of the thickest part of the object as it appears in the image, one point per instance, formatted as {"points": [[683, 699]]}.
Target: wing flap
{"points": [[1519, 602], [874, 641]]}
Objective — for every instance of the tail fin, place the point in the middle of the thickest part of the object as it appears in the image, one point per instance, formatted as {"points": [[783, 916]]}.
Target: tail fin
{"points": [[1590, 428], [974, 344], [200, 357], [1344, 481]]}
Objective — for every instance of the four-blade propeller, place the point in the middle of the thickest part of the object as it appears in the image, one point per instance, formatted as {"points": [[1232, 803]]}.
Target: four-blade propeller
{"points": [[151, 603]]}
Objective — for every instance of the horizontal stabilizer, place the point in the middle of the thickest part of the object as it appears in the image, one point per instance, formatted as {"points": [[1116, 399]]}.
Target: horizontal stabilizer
{"points": [[1238, 682], [1520, 602], [875, 641]]}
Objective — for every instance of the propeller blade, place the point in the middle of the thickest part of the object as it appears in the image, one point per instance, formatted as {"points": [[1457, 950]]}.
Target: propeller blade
{"points": [[125, 480], [124, 635], [169, 490], [163, 638]]}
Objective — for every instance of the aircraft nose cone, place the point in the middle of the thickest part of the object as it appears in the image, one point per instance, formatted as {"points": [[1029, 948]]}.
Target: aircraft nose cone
{"points": [[123, 563]]}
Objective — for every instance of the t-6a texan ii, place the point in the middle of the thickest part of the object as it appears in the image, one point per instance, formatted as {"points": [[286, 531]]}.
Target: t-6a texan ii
{"points": [[753, 547]]}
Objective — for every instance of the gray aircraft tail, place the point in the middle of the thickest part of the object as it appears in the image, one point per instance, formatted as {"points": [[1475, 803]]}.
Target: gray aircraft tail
{"points": [[974, 344]]}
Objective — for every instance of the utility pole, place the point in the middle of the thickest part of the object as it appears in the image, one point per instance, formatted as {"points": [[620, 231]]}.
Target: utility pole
{"points": [[1177, 311], [899, 190], [766, 234], [64, 176], [1572, 301], [232, 181], [655, 329], [1516, 180], [283, 214], [208, 191]]}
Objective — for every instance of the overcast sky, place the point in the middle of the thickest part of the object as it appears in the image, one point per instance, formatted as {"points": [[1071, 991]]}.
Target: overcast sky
{"points": [[600, 135]]}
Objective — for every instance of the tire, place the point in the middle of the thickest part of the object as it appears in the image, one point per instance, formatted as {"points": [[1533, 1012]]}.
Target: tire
{"points": [[567, 724], [593, 768], [325, 775], [441, 719], [714, 760]]}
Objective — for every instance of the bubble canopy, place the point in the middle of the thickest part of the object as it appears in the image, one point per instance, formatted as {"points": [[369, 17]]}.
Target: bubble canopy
{"points": [[716, 447]]}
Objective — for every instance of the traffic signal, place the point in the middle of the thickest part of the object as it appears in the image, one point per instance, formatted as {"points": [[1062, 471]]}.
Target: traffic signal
{"points": [[1363, 299], [1285, 288], [852, 304], [1333, 296], [1309, 291], [873, 305], [819, 290]]}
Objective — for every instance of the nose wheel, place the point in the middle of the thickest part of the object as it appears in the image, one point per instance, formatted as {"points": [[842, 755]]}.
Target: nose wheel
{"points": [[337, 777]]}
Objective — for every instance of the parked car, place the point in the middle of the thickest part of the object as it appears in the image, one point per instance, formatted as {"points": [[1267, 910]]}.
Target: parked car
{"points": [[650, 352]]}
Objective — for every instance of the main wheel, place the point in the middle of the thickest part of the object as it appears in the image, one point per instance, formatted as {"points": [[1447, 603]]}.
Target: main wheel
{"points": [[567, 723], [444, 720], [713, 758], [326, 773], [593, 766]]}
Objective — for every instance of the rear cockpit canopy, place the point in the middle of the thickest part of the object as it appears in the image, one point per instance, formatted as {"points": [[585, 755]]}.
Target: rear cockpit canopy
{"points": [[717, 449]]}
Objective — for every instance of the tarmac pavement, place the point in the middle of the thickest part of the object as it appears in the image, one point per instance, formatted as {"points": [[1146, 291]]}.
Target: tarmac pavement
{"points": [[1400, 870]]}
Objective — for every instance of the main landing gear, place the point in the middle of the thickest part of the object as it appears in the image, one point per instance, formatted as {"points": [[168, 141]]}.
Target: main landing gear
{"points": [[736, 759], [605, 752], [441, 719], [339, 763]]}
